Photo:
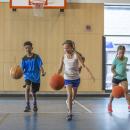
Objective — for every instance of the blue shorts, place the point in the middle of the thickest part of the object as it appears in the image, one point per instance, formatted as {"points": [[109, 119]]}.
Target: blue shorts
{"points": [[73, 83]]}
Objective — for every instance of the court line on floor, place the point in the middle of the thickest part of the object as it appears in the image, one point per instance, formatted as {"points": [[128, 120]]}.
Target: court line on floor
{"points": [[85, 108], [4, 118]]}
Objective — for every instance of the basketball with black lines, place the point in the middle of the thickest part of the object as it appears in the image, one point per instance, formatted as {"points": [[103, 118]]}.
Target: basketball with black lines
{"points": [[16, 72]]}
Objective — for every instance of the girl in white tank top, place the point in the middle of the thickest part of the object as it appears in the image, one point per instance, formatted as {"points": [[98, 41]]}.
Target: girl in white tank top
{"points": [[70, 61], [71, 67]]}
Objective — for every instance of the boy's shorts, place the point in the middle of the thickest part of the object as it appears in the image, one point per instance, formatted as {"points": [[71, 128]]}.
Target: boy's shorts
{"points": [[35, 86], [73, 83]]}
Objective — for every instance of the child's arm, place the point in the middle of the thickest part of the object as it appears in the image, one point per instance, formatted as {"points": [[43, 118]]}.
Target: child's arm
{"points": [[42, 71], [85, 66], [90, 73], [61, 66], [113, 70], [83, 58]]}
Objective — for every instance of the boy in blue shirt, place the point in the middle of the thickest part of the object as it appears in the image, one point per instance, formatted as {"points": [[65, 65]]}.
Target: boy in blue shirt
{"points": [[32, 66]]}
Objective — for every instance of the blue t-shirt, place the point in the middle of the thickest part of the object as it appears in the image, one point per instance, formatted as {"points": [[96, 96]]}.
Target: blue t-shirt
{"points": [[31, 68]]}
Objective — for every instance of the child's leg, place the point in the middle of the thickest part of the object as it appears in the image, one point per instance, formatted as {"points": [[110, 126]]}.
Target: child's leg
{"points": [[35, 108], [35, 88], [125, 86], [27, 95], [34, 98], [111, 99], [75, 89], [69, 99], [110, 103]]}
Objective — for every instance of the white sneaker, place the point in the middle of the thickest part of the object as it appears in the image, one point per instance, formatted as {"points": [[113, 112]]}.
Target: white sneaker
{"points": [[73, 102], [66, 102]]}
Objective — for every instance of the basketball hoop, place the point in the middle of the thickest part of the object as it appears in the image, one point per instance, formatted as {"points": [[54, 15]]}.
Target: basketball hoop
{"points": [[38, 7]]}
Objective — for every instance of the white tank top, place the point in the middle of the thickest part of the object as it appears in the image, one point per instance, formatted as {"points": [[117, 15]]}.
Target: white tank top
{"points": [[71, 67]]}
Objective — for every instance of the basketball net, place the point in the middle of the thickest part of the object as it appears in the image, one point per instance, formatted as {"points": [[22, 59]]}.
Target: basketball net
{"points": [[38, 7]]}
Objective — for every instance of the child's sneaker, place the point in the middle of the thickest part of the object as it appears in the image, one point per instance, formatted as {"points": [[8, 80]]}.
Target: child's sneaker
{"points": [[27, 109], [73, 102], [35, 109], [129, 108], [67, 102], [69, 117], [110, 108]]}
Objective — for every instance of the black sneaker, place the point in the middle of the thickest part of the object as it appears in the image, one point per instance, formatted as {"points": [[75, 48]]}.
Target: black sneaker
{"points": [[27, 109], [69, 117], [35, 109]]}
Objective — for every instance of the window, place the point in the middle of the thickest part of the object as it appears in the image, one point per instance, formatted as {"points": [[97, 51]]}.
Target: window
{"points": [[116, 32], [117, 20]]}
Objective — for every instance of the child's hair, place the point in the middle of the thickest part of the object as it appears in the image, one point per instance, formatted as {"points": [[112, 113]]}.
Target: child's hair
{"points": [[121, 47], [28, 43], [72, 44], [69, 42]]}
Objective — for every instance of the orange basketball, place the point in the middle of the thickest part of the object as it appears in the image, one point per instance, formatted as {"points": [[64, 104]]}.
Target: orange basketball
{"points": [[16, 72], [117, 91], [56, 82]]}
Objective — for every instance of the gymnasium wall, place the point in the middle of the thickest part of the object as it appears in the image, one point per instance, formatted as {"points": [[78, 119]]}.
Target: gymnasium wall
{"points": [[47, 34]]}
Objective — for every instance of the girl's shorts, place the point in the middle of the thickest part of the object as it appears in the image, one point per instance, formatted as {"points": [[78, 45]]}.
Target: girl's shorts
{"points": [[117, 81], [73, 83]]}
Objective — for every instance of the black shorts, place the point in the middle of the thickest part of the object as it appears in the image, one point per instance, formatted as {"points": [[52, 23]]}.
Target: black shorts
{"points": [[117, 81], [35, 86]]}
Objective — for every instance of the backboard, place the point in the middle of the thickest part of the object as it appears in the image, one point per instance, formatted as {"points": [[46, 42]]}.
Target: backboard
{"points": [[59, 4]]}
